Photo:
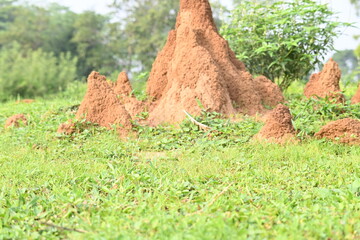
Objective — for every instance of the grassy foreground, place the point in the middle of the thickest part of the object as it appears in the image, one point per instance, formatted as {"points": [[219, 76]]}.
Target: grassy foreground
{"points": [[172, 183]]}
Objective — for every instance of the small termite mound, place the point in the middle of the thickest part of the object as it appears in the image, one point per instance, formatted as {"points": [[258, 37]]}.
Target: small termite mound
{"points": [[344, 131], [325, 84], [102, 106], [278, 127], [16, 121], [67, 128]]}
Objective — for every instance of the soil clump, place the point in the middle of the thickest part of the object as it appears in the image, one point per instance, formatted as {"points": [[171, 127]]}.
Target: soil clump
{"points": [[67, 128], [197, 70], [102, 106], [326, 83], [344, 131], [16, 121], [356, 98], [27, 101], [278, 126]]}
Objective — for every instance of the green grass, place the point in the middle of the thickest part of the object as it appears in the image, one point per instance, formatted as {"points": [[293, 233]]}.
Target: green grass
{"points": [[173, 182]]}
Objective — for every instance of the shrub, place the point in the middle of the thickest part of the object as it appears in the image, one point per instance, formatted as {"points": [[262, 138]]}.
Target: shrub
{"points": [[29, 73], [283, 40], [311, 114]]}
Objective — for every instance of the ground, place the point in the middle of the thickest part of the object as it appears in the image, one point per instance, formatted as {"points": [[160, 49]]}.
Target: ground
{"points": [[173, 182]]}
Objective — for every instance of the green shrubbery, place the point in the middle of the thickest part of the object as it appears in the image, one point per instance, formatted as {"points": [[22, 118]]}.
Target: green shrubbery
{"points": [[283, 40], [30, 73]]}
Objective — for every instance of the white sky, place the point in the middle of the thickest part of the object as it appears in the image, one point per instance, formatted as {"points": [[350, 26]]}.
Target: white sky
{"points": [[343, 7]]}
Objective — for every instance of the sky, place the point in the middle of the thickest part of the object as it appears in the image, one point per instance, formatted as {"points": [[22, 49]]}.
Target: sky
{"points": [[345, 10]]}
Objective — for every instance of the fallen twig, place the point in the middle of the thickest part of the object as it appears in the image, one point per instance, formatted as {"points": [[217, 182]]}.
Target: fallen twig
{"points": [[200, 125]]}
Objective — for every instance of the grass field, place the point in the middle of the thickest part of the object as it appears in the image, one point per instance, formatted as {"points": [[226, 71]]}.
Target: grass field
{"points": [[175, 182]]}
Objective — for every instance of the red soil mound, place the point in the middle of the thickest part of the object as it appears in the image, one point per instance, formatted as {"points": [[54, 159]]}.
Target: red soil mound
{"points": [[345, 131], [269, 92], [123, 89], [102, 106], [356, 98], [325, 83], [67, 128], [197, 66], [122, 85], [278, 126], [15, 121], [28, 101]]}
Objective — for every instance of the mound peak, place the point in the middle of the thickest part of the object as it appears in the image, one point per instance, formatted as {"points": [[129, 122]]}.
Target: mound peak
{"points": [[325, 83], [102, 106], [278, 126]]}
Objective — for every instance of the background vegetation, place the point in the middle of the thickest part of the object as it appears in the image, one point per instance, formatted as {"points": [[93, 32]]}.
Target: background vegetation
{"points": [[130, 37], [283, 40]]}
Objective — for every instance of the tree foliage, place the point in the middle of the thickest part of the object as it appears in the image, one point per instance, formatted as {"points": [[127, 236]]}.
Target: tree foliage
{"points": [[282, 40], [31, 73], [55, 29], [144, 25], [348, 64]]}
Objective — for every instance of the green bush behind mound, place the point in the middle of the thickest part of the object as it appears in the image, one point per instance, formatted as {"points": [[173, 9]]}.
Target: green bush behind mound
{"points": [[33, 73]]}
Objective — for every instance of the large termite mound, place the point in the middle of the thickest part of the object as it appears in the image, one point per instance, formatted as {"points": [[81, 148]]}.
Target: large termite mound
{"points": [[356, 98], [278, 126], [269, 92], [102, 106], [325, 83], [345, 131], [197, 67], [16, 121]]}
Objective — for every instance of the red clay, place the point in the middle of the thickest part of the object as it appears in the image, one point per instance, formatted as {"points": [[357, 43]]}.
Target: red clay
{"points": [[344, 131], [15, 121], [356, 98], [269, 92], [122, 85], [28, 101], [197, 67], [326, 83], [67, 128], [102, 106], [124, 91], [278, 126]]}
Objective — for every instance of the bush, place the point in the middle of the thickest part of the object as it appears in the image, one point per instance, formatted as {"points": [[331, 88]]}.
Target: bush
{"points": [[282, 40], [29, 73], [311, 114]]}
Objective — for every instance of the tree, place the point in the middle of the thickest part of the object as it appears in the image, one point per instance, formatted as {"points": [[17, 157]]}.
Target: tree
{"points": [[90, 39], [144, 25], [348, 64], [31, 73], [356, 3], [283, 40]]}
